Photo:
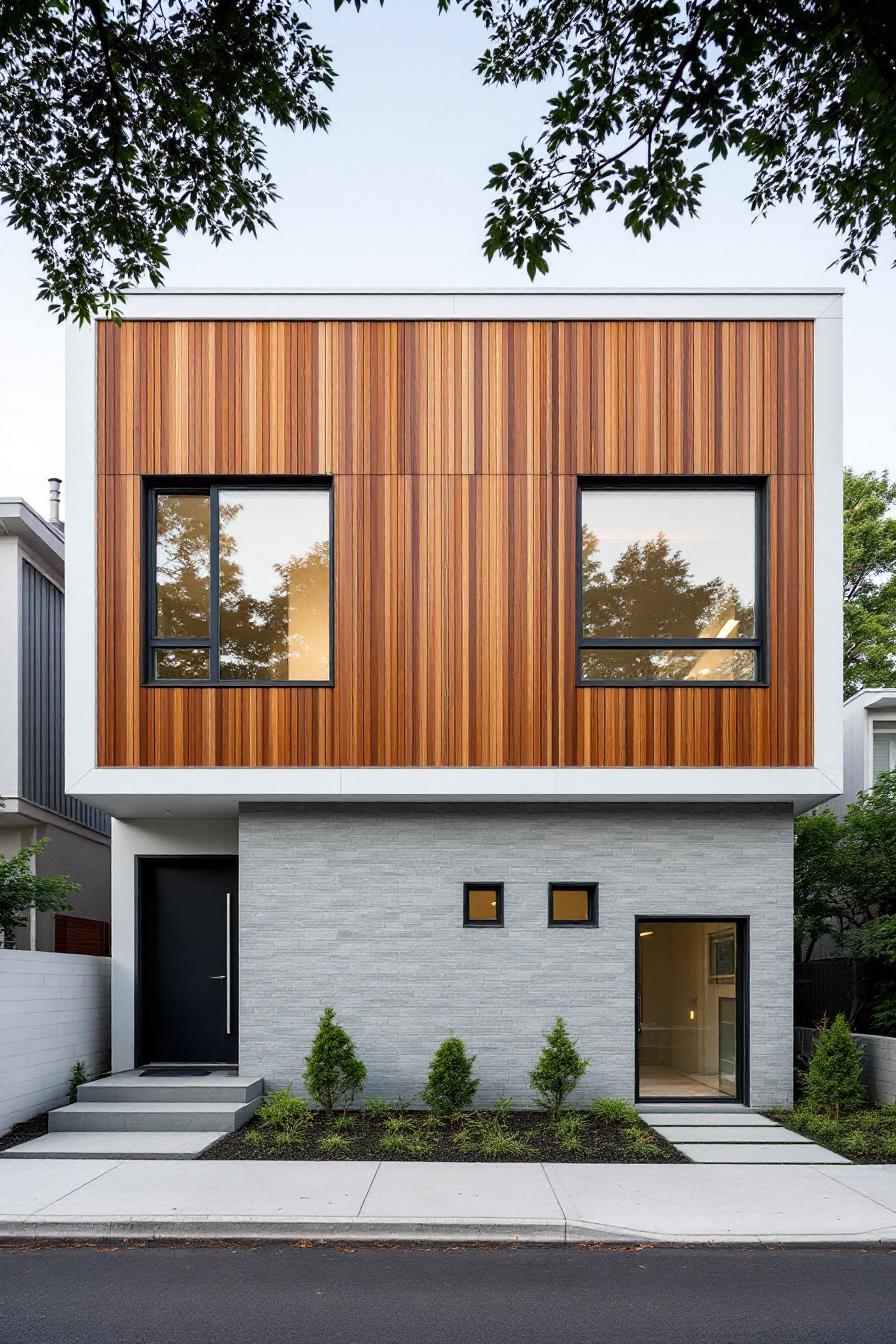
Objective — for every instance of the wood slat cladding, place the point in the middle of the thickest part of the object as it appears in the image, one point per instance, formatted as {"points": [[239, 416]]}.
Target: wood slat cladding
{"points": [[455, 449]]}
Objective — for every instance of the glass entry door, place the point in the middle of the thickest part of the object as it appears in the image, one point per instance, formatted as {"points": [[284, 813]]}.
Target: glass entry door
{"points": [[689, 1009]]}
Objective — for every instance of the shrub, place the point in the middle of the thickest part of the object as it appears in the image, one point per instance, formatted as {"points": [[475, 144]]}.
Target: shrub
{"points": [[558, 1070], [833, 1080], [410, 1140], [614, 1110], [334, 1074], [334, 1144], [343, 1124], [486, 1135], [287, 1116], [376, 1108], [77, 1076], [450, 1085], [568, 1131]]}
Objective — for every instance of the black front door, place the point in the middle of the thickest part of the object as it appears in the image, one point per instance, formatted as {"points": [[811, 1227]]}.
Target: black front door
{"points": [[187, 960]]}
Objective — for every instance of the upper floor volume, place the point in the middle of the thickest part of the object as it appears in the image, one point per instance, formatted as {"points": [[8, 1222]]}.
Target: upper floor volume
{"points": [[539, 544]]}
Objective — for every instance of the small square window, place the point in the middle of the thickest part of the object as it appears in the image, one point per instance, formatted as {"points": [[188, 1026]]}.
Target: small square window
{"points": [[483, 904], [572, 903]]}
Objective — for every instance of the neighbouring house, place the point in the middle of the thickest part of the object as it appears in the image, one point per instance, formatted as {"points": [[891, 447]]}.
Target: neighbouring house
{"points": [[869, 741], [35, 804], [458, 659]]}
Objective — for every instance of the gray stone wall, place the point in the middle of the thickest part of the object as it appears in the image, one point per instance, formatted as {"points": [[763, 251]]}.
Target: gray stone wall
{"points": [[361, 907]]}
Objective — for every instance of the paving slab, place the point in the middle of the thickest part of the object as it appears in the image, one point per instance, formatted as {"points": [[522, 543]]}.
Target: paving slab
{"points": [[483, 1195], [679, 1134], [740, 1118], [714, 1203], [214, 1190], [874, 1182], [27, 1187], [808, 1154], [180, 1144]]}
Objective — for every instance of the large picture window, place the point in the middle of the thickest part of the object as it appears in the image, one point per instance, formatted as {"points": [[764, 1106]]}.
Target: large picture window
{"points": [[239, 584], [671, 583]]}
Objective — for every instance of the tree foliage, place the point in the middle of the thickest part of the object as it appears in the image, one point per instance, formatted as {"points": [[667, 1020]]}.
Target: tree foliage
{"points": [[123, 121], [22, 890], [869, 580], [844, 875], [647, 93], [333, 1075]]}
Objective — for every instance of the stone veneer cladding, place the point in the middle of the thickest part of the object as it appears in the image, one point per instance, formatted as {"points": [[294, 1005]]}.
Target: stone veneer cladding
{"points": [[361, 907]]}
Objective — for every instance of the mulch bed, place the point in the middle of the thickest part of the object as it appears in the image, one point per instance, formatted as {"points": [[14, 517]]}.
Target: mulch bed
{"points": [[602, 1141], [25, 1130], [865, 1135]]}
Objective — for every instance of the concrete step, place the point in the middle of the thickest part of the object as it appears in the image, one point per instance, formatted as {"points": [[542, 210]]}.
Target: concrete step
{"points": [[737, 1120], [130, 1086], [692, 1108], [128, 1144], [220, 1117]]}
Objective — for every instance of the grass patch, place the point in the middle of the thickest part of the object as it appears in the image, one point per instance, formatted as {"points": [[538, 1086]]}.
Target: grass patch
{"points": [[285, 1128], [867, 1134]]}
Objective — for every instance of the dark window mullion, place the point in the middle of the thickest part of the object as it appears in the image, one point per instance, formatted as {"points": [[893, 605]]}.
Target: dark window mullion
{"points": [[214, 624], [645, 643]]}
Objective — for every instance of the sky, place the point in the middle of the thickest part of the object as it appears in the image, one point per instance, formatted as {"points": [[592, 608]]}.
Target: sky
{"points": [[393, 196]]}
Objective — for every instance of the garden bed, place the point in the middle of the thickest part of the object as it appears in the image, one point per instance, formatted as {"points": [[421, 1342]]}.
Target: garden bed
{"points": [[613, 1132], [34, 1128], [867, 1134]]}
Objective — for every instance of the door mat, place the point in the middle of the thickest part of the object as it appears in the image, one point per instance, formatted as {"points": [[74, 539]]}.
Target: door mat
{"points": [[175, 1073]]}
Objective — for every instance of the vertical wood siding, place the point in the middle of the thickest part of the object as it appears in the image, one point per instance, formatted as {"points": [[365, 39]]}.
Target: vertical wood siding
{"points": [[455, 450]]}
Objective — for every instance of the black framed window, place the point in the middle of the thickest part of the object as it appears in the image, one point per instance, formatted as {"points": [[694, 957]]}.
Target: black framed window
{"points": [[483, 905], [572, 903], [238, 582], [671, 582]]}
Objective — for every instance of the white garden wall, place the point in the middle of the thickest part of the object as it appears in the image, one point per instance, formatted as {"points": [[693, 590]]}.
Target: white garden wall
{"points": [[879, 1065], [54, 1009]]}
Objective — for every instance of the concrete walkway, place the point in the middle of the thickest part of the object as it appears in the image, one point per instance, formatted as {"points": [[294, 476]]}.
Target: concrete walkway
{"points": [[449, 1201], [738, 1135]]}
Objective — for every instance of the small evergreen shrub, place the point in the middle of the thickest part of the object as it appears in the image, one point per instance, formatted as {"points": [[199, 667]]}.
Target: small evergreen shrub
{"points": [[558, 1071], [334, 1074], [614, 1110], [450, 1085], [833, 1080], [77, 1076]]}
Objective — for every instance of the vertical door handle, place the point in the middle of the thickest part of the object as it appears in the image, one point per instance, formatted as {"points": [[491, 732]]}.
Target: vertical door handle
{"points": [[227, 968]]}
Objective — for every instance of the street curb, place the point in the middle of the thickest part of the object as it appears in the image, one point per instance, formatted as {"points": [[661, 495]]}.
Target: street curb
{"points": [[510, 1232]]}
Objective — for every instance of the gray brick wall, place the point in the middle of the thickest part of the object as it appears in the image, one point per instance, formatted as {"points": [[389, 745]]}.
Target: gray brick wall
{"points": [[361, 907]]}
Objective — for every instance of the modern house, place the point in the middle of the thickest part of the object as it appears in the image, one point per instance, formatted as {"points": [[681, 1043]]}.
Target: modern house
{"points": [[35, 805], [458, 659]]}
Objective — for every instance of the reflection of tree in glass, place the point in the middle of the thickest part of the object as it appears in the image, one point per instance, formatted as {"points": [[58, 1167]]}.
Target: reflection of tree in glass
{"points": [[281, 637], [651, 594], [182, 566]]}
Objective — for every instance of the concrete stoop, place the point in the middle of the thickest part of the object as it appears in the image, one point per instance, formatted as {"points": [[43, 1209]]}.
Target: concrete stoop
{"points": [[131, 1116]]}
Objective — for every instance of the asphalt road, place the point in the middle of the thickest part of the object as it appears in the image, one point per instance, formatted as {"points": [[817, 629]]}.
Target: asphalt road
{"points": [[274, 1294]]}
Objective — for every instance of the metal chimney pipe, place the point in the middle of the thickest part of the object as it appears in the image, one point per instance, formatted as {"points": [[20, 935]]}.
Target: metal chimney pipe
{"points": [[55, 496]]}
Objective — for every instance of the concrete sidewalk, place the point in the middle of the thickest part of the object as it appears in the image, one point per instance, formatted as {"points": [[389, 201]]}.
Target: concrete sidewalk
{"points": [[448, 1201]]}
